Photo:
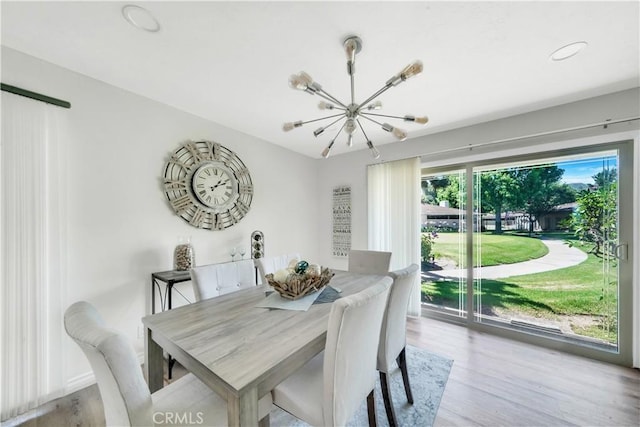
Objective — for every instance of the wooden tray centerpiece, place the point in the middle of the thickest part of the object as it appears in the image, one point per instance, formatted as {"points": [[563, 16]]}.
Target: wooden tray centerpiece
{"points": [[303, 279]]}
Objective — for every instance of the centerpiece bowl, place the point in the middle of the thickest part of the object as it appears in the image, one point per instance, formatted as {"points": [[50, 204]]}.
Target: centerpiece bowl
{"points": [[298, 285]]}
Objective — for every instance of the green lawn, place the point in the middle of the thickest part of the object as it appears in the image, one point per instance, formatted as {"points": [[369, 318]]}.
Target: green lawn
{"points": [[496, 249], [577, 290]]}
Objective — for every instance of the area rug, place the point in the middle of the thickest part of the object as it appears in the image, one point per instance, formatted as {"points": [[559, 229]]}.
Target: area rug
{"points": [[428, 374]]}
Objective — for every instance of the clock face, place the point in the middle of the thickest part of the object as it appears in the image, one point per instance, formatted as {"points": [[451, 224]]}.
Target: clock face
{"points": [[207, 185], [214, 186]]}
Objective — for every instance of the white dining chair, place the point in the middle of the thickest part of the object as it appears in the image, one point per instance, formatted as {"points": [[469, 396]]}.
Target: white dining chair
{"points": [[328, 389], [218, 279], [125, 394], [393, 336], [369, 262], [270, 265]]}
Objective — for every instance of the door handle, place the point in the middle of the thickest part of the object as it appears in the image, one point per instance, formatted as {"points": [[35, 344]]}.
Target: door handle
{"points": [[621, 251]]}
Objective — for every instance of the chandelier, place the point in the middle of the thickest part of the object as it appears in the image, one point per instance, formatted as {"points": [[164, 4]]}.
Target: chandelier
{"points": [[351, 113]]}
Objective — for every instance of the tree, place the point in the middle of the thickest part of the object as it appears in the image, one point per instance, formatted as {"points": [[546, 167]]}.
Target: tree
{"points": [[605, 177], [596, 216], [430, 187], [540, 190], [498, 189], [451, 192]]}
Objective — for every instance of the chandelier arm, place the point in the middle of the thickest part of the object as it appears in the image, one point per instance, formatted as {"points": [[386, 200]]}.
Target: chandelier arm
{"points": [[374, 96], [322, 118], [370, 119], [384, 115], [324, 94], [362, 129], [320, 130], [339, 132]]}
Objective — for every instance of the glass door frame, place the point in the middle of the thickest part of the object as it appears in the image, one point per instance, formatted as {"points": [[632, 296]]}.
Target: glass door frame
{"points": [[623, 355]]}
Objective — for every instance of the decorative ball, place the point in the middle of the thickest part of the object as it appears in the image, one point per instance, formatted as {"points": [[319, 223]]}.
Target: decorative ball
{"points": [[281, 275], [293, 263], [313, 270], [301, 267]]}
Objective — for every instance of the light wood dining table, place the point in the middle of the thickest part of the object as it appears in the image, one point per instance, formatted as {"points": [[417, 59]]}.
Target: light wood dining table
{"points": [[241, 351]]}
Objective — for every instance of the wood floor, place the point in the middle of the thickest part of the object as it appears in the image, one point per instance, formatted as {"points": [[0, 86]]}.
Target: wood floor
{"points": [[493, 382]]}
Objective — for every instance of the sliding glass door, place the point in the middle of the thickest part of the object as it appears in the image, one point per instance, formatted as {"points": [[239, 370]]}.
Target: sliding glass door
{"points": [[442, 242], [539, 239]]}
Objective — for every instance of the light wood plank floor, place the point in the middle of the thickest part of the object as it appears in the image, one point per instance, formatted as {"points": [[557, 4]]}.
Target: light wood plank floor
{"points": [[493, 382]]}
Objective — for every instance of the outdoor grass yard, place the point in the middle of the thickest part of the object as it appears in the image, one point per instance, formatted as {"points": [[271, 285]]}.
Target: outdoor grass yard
{"points": [[569, 293], [497, 249]]}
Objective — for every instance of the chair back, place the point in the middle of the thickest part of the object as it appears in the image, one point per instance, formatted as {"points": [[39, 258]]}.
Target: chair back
{"points": [[125, 394], [349, 370], [218, 279], [369, 262], [272, 264], [393, 333]]}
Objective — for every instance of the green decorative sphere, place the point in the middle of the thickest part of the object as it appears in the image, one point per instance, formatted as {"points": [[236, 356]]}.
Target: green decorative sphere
{"points": [[301, 267]]}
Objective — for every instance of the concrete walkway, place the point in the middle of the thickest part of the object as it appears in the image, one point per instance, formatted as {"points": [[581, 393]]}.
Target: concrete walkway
{"points": [[560, 256]]}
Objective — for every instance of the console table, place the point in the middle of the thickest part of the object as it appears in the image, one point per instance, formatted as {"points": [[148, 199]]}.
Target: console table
{"points": [[169, 278]]}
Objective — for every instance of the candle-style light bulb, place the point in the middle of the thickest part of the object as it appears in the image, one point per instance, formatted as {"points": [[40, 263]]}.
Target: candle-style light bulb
{"points": [[411, 70], [325, 106], [349, 140], [350, 126], [401, 134], [407, 72], [291, 125], [374, 151], [327, 150], [300, 81], [351, 46], [420, 120], [318, 131], [374, 105], [397, 132]]}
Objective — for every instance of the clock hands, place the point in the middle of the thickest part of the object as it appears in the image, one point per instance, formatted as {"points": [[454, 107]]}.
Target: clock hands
{"points": [[219, 184]]}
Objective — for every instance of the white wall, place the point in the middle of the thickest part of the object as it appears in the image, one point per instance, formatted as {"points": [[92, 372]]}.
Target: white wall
{"points": [[120, 227]]}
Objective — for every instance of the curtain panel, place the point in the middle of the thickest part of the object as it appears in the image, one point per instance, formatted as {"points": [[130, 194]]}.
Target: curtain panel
{"points": [[394, 215], [32, 253]]}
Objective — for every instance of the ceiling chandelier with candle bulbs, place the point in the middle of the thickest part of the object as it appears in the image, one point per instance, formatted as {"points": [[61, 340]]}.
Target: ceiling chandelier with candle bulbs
{"points": [[350, 113]]}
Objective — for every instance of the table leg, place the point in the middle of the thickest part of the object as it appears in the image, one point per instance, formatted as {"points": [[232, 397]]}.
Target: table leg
{"points": [[153, 295], [152, 362], [243, 410], [170, 361]]}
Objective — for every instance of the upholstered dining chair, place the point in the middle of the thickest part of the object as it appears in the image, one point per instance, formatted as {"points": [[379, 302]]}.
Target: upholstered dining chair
{"points": [[393, 336], [213, 280], [369, 262], [328, 390], [125, 394], [272, 264]]}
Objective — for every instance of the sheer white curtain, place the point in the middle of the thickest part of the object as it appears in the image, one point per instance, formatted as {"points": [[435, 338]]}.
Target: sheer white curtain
{"points": [[394, 215], [32, 252]]}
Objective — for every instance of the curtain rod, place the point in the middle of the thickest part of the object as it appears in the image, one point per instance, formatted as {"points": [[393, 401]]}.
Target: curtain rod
{"points": [[33, 95], [535, 135]]}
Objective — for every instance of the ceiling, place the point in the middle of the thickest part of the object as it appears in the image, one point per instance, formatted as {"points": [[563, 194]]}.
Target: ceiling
{"points": [[229, 62]]}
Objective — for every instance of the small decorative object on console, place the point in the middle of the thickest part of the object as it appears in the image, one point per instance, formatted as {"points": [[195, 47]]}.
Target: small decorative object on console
{"points": [[183, 255], [257, 244], [299, 280]]}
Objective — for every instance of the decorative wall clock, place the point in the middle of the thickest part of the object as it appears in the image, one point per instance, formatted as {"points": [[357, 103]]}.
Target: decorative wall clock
{"points": [[207, 185]]}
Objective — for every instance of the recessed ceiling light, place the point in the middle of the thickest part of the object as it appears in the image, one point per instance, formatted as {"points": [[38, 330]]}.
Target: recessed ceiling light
{"points": [[566, 52], [140, 18]]}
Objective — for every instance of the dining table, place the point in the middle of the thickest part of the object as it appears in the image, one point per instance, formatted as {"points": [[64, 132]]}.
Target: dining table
{"points": [[238, 349]]}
